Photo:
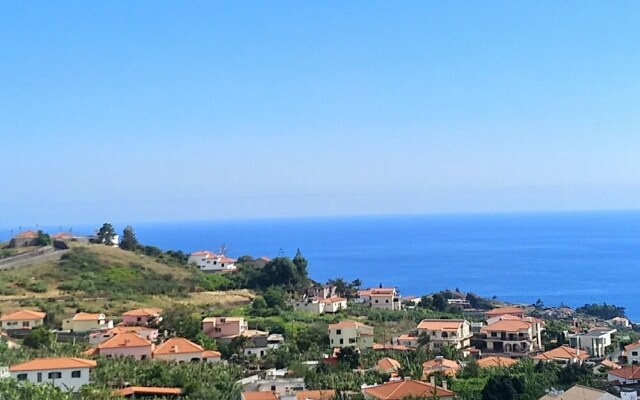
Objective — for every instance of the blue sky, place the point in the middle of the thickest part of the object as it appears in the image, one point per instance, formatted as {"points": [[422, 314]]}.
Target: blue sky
{"points": [[154, 111]]}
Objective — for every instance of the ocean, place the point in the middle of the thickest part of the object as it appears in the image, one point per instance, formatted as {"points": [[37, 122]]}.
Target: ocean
{"points": [[560, 258]]}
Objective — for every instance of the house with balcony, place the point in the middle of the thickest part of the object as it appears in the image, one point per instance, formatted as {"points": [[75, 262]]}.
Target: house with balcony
{"points": [[224, 327], [595, 341], [22, 319], [66, 373], [384, 298], [562, 355], [86, 322], [515, 336], [351, 333], [453, 332]]}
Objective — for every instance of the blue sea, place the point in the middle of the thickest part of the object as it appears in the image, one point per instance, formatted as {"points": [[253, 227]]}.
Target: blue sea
{"points": [[561, 258]]}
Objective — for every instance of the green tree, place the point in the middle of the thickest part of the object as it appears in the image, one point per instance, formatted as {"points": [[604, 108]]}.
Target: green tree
{"points": [[106, 233], [502, 387], [349, 356], [43, 239], [301, 263], [40, 338], [439, 302], [129, 241], [181, 321], [275, 298]]}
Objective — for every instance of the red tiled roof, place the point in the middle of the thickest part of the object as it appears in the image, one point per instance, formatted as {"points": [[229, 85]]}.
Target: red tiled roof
{"points": [[507, 326], [82, 316], [630, 372], [41, 364], [404, 389]]}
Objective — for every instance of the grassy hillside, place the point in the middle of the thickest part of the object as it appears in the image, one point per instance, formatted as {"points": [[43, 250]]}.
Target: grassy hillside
{"points": [[96, 277]]}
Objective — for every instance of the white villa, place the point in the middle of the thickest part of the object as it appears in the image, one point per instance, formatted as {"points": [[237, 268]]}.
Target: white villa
{"points": [[212, 262]]}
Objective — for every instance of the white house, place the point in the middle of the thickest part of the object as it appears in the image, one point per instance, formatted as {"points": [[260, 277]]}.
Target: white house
{"points": [[633, 353], [85, 322], [182, 350], [385, 298], [351, 333], [23, 319], [318, 305], [212, 262], [66, 373], [594, 341], [629, 375]]}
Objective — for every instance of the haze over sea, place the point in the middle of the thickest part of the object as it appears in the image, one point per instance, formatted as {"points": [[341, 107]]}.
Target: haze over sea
{"points": [[571, 258]]}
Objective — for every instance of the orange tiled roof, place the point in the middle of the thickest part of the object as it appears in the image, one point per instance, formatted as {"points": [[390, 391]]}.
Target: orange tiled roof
{"points": [[404, 389], [492, 362], [449, 367], [126, 339], [315, 395], [178, 345], [507, 326], [333, 300], [82, 316], [387, 364], [40, 364], [562, 352], [62, 235], [23, 315], [504, 310], [632, 345], [348, 324], [440, 324], [123, 329], [259, 396], [211, 354], [143, 312], [204, 253], [148, 390], [610, 364], [27, 235], [387, 346]]}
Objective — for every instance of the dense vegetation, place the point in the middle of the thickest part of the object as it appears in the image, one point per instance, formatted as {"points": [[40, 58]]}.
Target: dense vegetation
{"points": [[603, 311]]}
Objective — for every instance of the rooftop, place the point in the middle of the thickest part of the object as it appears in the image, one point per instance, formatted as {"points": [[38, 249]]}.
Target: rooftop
{"points": [[562, 352], [41, 364], [441, 324], [125, 339], [404, 389], [23, 315]]}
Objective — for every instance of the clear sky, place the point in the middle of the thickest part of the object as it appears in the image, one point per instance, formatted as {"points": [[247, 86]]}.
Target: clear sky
{"points": [[152, 111]]}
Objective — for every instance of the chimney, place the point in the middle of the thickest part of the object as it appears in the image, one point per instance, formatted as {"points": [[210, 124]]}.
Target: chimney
{"points": [[444, 384], [432, 380]]}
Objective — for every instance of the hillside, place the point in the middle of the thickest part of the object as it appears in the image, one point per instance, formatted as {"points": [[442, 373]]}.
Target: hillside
{"points": [[94, 277]]}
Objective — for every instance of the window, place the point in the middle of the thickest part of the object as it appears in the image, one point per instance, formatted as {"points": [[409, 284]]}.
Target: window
{"points": [[76, 374], [634, 353], [352, 340], [376, 300], [341, 341], [331, 341], [273, 388], [339, 332], [25, 324], [494, 334], [39, 376], [387, 301], [21, 377], [55, 375]]}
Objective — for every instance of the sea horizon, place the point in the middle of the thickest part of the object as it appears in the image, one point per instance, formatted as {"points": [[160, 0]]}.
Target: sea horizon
{"points": [[569, 258]]}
